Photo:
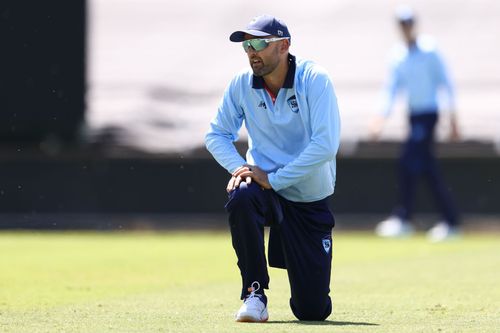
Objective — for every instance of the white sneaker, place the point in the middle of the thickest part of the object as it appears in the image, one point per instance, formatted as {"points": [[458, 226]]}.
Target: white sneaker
{"points": [[394, 227], [253, 309], [442, 231]]}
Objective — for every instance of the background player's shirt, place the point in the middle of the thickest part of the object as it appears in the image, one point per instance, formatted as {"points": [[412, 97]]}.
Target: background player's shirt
{"points": [[295, 139], [420, 73]]}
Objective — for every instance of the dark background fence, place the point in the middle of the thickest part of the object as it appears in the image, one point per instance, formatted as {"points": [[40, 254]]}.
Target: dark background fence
{"points": [[42, 66], [84, 182]]}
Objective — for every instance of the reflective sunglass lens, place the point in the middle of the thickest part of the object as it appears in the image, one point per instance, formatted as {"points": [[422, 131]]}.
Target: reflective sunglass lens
{"points": [[256, 44]]}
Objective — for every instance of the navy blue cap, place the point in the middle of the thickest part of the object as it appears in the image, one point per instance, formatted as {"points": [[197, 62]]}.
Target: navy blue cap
{"points": [[262, 26]]}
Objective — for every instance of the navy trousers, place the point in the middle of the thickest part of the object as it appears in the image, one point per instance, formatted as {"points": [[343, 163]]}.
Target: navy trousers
{"points": [[417, 159], [300, 241]]}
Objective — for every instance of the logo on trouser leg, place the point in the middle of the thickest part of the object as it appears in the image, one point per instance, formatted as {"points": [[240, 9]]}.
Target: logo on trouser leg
{"points": [[327, 244]]}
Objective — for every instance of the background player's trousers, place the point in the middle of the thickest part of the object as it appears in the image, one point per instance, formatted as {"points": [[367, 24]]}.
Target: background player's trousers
{"points": [[417, 160], [300, 241]]}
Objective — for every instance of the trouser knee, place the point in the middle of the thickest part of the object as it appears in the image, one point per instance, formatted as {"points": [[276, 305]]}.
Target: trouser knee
{"points": [[311, 310], [245, 196]]}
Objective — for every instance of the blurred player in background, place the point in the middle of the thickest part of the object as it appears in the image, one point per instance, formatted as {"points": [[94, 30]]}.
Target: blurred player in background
{"points": [[290, 111], [419, 71]]}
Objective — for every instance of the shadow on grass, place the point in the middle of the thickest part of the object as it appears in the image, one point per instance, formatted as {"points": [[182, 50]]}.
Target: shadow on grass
{"points": [[322, 323]]}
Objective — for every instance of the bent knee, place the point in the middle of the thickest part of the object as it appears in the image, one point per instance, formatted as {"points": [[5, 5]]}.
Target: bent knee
{"points": [[243, 195], [312, 311]]}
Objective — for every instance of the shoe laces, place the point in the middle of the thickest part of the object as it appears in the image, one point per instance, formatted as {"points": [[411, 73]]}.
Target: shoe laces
{"points": [[254, 287]]}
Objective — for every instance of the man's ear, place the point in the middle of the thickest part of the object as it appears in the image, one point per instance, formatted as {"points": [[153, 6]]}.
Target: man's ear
{"points": [[285, 45]]}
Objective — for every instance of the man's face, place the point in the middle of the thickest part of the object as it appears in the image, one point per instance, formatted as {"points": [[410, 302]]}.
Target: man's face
{"points": [[408, 30], [265, 61]]}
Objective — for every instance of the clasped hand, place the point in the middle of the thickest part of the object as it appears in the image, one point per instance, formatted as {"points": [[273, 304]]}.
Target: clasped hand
{"points": [[248, 173]]}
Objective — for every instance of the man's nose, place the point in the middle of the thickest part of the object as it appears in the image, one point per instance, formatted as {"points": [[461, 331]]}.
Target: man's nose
{"points": [[251, 51]]}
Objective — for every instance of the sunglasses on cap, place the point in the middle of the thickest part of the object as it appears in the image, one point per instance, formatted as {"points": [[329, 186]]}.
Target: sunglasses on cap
{"points": [[258, 44]]}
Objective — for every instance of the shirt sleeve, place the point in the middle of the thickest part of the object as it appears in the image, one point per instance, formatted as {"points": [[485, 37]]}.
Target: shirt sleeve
{"points": [[444, 80], [391, 90], [224, 129], [325, 137]]}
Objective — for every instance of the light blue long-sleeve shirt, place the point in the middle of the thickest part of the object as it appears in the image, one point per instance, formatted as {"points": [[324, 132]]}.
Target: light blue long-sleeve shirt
{"points": [[420, 72], [295, 139]]}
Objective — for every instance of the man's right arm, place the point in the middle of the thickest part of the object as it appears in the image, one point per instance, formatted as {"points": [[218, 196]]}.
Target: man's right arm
{"points": [[389, 95], [392, 87], [224, 131]]}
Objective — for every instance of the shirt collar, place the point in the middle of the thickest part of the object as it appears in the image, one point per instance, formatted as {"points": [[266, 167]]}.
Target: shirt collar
{"points": [[258, 81], [413, 47]]}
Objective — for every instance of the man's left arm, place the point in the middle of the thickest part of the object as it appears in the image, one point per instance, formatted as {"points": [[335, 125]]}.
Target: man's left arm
{"points": [[325, 137], [443, 78], [447, 85]]}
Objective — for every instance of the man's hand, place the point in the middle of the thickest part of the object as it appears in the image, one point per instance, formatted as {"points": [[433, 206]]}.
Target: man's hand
{"points": [[375, 128], [247, 173], [454, 132]]}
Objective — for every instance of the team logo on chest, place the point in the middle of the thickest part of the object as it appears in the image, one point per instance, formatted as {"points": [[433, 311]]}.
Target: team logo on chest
{"points": [[262, 105], [292, 103]]}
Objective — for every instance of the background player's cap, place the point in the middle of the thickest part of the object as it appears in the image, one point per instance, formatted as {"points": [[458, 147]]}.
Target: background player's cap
{"points": [[405, 14], [262, 26]]}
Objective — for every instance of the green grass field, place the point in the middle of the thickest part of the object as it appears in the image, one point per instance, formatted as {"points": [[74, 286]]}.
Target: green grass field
{"points": [[188, 282]]}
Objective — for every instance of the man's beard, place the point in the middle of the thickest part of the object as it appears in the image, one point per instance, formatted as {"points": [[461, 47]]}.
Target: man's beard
{"points": [[261, 69]]}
